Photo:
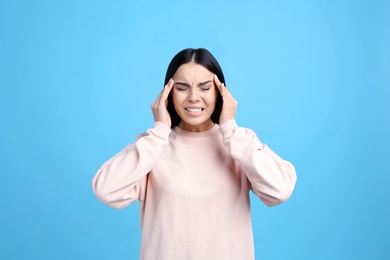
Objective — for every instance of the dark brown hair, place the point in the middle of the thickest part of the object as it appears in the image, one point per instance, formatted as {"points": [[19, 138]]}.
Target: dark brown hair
{"points": [[202, 57]]}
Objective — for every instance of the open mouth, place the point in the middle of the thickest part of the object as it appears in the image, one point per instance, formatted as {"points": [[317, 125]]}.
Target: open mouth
{"points": [[194, 110]]}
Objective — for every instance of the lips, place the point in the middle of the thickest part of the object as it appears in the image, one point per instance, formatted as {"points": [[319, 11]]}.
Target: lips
{"points": [[194, 110]]}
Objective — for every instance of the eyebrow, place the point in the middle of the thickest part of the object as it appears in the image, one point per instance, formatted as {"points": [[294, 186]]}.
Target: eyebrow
{"points": [[188, 85]]}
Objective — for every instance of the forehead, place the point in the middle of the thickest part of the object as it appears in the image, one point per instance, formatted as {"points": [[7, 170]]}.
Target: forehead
{"points": [[192, 72]]}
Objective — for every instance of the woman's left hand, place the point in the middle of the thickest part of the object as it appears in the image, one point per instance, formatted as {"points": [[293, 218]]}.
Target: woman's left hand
{"points": [[229, 105]]}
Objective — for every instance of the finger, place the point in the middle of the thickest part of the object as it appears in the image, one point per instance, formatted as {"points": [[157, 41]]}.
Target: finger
{"points": [[225, 90], [218, 83], [167, 89], [165, 93]]}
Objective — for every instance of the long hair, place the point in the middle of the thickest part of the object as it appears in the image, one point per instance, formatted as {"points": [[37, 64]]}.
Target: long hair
{"points": [[202, 57]]}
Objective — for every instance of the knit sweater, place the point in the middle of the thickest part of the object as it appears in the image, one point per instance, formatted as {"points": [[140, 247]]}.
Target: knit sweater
{"points": [[193, 189]]}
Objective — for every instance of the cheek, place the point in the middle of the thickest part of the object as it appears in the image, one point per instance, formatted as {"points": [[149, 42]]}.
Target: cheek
{"points": [[176, 103], [177, 99]]}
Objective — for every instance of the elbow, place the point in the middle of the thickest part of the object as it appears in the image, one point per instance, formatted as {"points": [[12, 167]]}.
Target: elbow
{"points": [[284, 192], [113, 201], [278, 186], [99, 191], [110, 198], [276, 196]]}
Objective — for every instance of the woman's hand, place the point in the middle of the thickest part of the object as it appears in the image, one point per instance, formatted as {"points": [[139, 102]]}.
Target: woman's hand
{"points": [[229, 105], [159, 106]]}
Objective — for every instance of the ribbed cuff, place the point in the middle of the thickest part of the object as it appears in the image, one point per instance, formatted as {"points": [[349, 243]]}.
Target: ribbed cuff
{"points": [[227, 128], [161, 129]]}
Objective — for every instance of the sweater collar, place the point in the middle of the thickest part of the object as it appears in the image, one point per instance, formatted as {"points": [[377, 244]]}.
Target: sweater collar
{"points": [[196, 134]]}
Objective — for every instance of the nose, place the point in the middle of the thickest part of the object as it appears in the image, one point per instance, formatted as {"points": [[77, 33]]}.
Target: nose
{"points": [[194, 95]]}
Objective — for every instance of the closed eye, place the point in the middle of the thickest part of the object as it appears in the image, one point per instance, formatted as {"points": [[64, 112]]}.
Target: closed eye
{"points": [[204, 86], [181, 87]]}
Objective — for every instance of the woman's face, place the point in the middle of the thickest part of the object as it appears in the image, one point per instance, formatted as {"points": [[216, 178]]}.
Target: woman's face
{"points": [[194, 96]]}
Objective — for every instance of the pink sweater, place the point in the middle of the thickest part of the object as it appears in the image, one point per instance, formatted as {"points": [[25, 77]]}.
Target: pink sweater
{"points": [[194, 189]]}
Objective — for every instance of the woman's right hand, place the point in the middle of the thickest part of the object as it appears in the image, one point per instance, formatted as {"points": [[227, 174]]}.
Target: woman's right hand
{"points": [[159, 106]]}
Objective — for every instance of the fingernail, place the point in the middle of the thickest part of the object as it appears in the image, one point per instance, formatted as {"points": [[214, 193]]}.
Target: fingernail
{"points": [[215, 75], [170, 80]]}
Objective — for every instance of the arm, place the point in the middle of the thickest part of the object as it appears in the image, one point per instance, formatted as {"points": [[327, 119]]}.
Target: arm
{"points": [[122, 179], [272, 178]]}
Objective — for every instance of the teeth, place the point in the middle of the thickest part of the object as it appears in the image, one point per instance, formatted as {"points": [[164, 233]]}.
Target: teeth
{"points": [[194, 109]]}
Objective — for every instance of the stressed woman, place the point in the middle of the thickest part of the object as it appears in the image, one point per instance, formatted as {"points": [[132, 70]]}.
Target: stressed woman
{"points": [[193, 170]]}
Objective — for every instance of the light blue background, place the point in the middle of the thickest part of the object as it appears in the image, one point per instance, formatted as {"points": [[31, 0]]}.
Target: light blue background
{"points": [[77, 78]]}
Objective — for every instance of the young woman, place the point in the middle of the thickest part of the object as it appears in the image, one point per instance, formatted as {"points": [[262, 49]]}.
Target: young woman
{"points": [[192, 172]]}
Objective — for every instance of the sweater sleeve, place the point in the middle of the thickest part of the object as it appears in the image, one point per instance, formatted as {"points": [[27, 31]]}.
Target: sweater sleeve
{"points": [[122, 179], [272, 178]]}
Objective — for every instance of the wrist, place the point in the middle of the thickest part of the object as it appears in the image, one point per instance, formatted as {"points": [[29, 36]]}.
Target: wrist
{"points": [[227, 128]]}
